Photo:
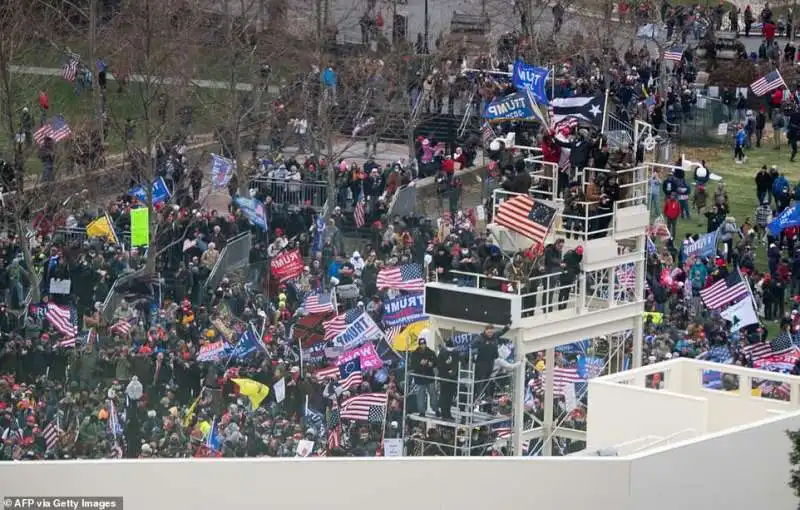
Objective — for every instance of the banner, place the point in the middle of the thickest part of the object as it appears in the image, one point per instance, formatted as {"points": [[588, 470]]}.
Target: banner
{"points": [[515, 106], [160, 192], [287, 265], [705, 246], [404, 310], [140, 227], [790, 217], [253, 210], [357, 332], [221, 170], [213, 351], [462, 342], [407, 339], [531, 78], [741, 314], [314, 354], [369, 357]]}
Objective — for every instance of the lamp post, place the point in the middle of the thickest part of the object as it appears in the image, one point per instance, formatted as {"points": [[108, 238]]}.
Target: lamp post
{"points": [[427, 23]]}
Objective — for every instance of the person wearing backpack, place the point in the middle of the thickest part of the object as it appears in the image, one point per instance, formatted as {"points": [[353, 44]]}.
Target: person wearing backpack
{"points": [[778, 123]]}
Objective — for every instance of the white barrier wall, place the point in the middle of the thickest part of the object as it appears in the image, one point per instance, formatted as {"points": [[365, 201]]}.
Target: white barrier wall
{"points": [[742, 469], [352, 483], [619, 413]]}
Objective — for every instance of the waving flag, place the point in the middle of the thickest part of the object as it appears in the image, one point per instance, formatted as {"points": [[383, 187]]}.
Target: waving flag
{"points": [[526, 216], [248, 343], [214, 440], [562, 377], [63, 319], [221, 170], [365, 407], [57, 129], [350, 374], [767, 83], [674, 54], [723, 292], [406, 277], [318, 303], [587, 109], [358, 212], [122, 327], [70, 69], [339, 324]]}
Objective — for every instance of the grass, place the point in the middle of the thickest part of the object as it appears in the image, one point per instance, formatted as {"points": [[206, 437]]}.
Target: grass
{"points": [[208, 107]]}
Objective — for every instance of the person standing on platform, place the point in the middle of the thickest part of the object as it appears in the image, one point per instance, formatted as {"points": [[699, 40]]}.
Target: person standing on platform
{"points": [[484, 361], [447, 363], [423, 361]]}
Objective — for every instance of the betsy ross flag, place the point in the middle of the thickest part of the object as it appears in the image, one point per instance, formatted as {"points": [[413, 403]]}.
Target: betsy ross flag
{"points": [[70, 69], [365, 407], [350, 374], [63, 318], [767, 83], [675, 54], [526, 216], [722, 293], [57, 129], [405, 277], [587, 109], [359, 211], [318, 303], [339, 323]]}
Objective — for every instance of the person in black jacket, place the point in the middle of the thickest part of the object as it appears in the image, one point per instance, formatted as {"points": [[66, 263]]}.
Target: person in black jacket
{"points": [[447, 363], [552, 267], [569, 273], [484, 359], [579, 152], [423, 362]]}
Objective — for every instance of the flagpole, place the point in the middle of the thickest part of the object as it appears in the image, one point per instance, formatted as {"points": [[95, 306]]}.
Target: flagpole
{"points": [[605, 113], [749, 290]]}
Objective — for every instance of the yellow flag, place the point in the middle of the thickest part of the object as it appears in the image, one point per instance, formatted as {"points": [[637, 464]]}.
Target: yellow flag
{"points": [[102, 227], [655, 317], [406, 340], [187, 420], [253, 390]]}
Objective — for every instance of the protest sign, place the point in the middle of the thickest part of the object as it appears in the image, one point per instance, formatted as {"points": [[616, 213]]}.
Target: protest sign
{"points": [[287, 266]]}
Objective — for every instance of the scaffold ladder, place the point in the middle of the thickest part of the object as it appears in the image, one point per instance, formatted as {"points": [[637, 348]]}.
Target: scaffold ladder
{"points": [[466, 401], [467, 115]]}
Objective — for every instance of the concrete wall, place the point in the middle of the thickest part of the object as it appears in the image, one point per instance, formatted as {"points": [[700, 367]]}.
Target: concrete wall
{"points": [[402, 484], [619, 413], [746, 468]]}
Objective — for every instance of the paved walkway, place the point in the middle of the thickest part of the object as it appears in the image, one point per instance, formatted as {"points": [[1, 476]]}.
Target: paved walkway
{"points": [[138, 78]]}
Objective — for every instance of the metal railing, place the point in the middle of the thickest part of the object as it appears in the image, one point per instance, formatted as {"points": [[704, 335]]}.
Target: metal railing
{"points": [[618, 132], [235, 255], [115, 296], [69, 235], [292, 193], [467, 114]]}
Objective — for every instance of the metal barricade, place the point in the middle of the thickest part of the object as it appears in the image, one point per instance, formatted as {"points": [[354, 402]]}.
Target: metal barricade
{"points": [[290, 192], [78, 234], [235, 255], [115, 296]]}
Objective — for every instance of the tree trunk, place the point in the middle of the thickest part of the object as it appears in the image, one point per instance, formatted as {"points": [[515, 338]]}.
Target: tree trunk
{"points": [[97, 94]]}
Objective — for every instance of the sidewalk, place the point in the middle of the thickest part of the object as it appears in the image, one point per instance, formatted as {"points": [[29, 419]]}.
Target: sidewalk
{"points": [[138, 78]]}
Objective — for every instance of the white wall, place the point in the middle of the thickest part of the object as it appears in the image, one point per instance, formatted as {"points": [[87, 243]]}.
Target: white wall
{"points": [[352, 484], [620, 413], [746, 469]]}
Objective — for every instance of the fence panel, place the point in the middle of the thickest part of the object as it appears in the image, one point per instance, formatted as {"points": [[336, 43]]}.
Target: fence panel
{"points": [[235, 255], [78, 234], [115, 295], [292, 192]]}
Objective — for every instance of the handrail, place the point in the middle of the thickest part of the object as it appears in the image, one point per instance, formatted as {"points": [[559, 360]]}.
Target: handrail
{"points": [[467, 114]]}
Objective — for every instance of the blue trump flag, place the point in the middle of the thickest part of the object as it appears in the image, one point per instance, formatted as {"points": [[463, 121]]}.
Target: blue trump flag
{"points": [[531, 78], [253, 210], [515, 106], [790, 217], [160, 192], [221, 170], [705, 246], [247, 344]]}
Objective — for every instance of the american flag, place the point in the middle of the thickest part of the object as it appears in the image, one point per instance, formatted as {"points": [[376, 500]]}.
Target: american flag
{"points": [[70, 69], [50, 434], [318, 303], [392, 332], [487, 135], [339, 323], [87, 338], [323, 374], [626, 276], [63, 318], [350, 374], [122, 327], [359, 211], [365, 407], [674, 54], [57, 129], [724, 292], [777, 390], [565, 126], [561, 378], [406, 277], [335, 438], [762, 350], [767, 83], [526, 216]]}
